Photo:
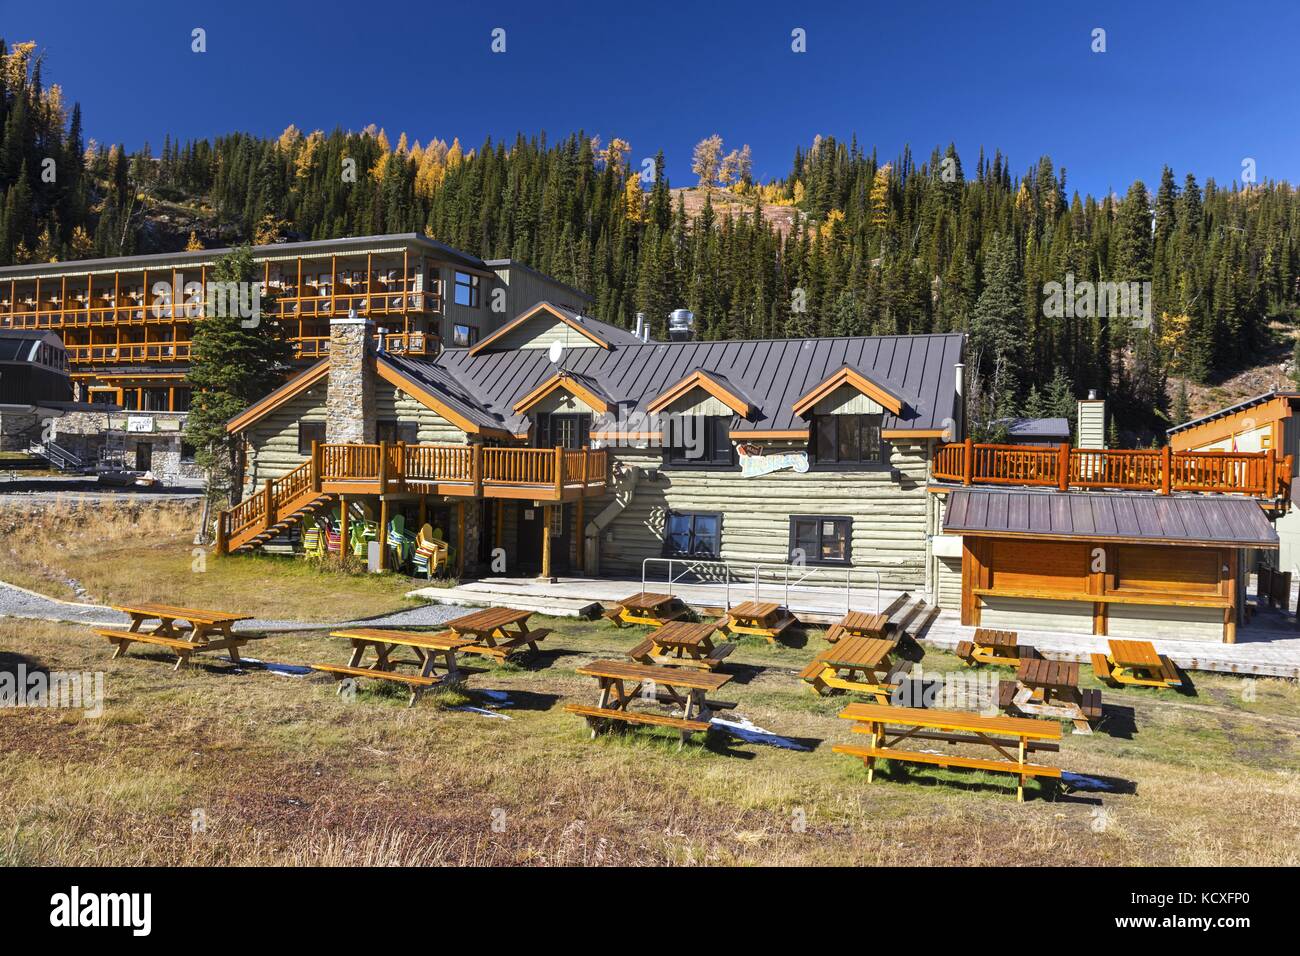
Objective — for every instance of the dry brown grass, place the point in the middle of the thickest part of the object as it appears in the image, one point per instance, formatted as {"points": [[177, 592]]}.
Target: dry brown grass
{"points": [[289, 773], [131, 552]]}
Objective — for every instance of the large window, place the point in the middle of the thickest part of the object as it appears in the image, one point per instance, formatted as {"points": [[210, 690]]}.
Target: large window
{"points": [[571, 431], [467, 289], [818, 539], [693, 534], [701, 441], [847, 439], [309, 432], [463, 336]]}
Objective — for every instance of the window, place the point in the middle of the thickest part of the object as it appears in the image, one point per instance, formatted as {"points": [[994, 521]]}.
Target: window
{"points": [[693, 534], [571, 431], [467, 290], [701, 441], [822, 540], [394, 431], [463, 336], [309, 432], [187, 452], [847, 439]]}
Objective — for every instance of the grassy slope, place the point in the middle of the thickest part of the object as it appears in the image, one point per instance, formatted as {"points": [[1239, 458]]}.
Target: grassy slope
{"points": [[287, 772]]}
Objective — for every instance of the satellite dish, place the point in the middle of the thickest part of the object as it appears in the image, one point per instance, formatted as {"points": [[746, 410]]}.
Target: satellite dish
{"points": [[556, 351]]}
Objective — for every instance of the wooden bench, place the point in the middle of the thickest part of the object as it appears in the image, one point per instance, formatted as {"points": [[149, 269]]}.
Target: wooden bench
{"points": [[1091, 703], [341, 671], [1101, 668], [641, 652], [183, 648], [835, 632], [502, 651], [638, 717], [1012, 737], [966, 651]]}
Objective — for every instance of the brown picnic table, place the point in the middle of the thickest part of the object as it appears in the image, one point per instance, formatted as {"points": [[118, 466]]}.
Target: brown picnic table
{"points": [[432, 652], [992, 646], [1137, 663], [1013, 739], [862, 664], [858, 624], [683, 644], [647, 607], [203, 630], [764, 618], [1045, 688], [623, 683], [496, 632]]}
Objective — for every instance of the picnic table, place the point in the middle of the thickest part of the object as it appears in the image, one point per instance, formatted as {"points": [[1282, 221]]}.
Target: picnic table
{"points": [[1136, 662], [647, 607], [1046, 688], [858, 624], [683, 644], [764, 618], [1013, 738], [433, 652], [679, 687], [496, 632], [202, 630], [989, 646], [862, 664]]}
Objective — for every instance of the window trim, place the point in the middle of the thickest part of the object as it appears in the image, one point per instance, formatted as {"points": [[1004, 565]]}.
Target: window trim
{"points": [[669, 551], [714, 425], [323, 434], [818, 560], [874, 464], [473, 283]]}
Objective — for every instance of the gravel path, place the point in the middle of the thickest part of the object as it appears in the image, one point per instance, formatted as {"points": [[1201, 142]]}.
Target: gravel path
{"points": [[16, 602]]}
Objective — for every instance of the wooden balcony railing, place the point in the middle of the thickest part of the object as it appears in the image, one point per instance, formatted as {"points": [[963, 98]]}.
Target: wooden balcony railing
{"points": [[1262, 474]]}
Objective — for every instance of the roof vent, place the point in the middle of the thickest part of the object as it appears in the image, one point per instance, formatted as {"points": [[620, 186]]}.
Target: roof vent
{"points": [[681, 325], [640, 324]]}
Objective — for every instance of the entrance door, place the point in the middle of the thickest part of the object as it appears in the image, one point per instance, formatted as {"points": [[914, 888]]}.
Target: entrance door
{"points": [[143, 456], [531, 521]]}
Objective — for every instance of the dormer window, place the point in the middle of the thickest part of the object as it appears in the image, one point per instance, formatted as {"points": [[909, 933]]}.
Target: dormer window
{"points": [[701, 441], [847, 439]]}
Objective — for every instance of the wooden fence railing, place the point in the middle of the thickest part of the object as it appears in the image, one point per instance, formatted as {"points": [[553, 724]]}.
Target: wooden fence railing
{"points": [[1262, 474]]}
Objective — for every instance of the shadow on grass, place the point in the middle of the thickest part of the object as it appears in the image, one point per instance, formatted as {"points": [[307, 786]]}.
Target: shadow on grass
{"points": [[975, 781], [1116, 721], [10, 662]]}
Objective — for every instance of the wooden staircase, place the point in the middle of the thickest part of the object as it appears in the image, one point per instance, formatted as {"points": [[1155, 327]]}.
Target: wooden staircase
{"points": [[256, 537], [268, 513]]}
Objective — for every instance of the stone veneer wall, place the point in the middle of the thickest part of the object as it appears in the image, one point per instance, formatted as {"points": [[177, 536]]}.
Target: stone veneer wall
{"points": [[350, 394]]}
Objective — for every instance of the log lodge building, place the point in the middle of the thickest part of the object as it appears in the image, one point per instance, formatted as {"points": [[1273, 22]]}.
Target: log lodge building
{"points": [[480, 396]]}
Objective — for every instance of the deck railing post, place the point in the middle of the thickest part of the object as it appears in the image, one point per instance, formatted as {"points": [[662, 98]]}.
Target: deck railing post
{"points": [[315, 466], [383, 467], [401, 465], [559, 472], [1272, 474], [1063, 467], [476, 470], [967, 461], [1166, 470], [268, 505]]}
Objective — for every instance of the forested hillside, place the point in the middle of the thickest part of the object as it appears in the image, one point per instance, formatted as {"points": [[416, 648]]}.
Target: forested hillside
{"points": [[869, 245]]}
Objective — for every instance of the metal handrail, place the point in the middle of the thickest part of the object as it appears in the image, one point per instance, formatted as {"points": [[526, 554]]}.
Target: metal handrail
{"points": [[690, 564]]}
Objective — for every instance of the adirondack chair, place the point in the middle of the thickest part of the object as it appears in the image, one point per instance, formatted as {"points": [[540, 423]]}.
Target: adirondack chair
{"points": [[431, 552], [361, 532], [400, 541], [333, 534], [313, 536]]}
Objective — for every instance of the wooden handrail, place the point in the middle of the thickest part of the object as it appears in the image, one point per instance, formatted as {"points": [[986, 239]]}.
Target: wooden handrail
{"points": [[1261, 474]]}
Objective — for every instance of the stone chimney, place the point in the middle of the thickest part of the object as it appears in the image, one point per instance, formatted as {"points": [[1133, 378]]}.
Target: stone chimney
{"points": [[350, 396]]}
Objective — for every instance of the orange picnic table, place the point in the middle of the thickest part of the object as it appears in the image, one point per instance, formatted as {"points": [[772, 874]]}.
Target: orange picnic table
{"points": [[203, 630], [496, 632], [1136, 662], [647, 607], [862, 664], [764, 618], [683, 644], [432, 652]]}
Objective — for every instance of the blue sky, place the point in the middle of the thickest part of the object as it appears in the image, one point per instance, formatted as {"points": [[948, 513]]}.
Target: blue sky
{"points": [[1200, 86]]}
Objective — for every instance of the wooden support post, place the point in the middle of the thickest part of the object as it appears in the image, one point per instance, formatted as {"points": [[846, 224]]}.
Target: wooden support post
{"points": [[579, 532], [268, 505], [223, 545], [559, 473], [383, 467], [1166, 470], [343, 526], [383, 533], [476, 470], [968, 461], [460, 538], [500, 507], [401, 465], [315, 466], [1063, 467], [546, 542], [171, 398], [424, 509]]}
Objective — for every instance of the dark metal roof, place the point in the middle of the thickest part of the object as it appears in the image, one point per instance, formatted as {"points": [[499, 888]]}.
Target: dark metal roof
{"points": [[128, 263], [774, 373], [442, 384], [1160, 519], [1036, 427], [21, 345], [1230, 409]]}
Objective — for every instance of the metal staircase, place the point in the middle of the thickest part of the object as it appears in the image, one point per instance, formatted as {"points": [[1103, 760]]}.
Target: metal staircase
{"points": [[60, 458]]}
